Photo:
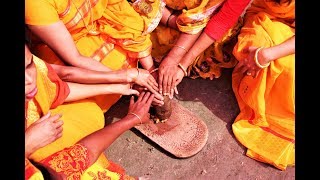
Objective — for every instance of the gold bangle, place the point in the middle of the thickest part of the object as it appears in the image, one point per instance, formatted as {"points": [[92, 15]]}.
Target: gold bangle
{"points": [[183, 69], [257, 61], [136, 116], [154, 70], [168, 19], [180, 47]]}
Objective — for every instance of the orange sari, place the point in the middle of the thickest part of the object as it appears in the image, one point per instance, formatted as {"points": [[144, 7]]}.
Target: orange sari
{"points": [[266, 121], [193, 18], [109, 31], [80, 118]]}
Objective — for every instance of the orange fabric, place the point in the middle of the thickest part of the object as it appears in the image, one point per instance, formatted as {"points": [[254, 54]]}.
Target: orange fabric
{"points": [[194, 17], [73, 163], [265, 124], [124, 33], [32, 172]]}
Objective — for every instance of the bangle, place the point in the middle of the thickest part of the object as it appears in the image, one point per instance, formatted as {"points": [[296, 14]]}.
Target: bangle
{"points": [[167, 22], [154, 70], [183, 69], [180, 47], [136, 116], [257, 61]]}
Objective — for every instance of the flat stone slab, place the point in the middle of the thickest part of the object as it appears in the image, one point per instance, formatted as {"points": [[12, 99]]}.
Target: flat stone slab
{"points": [[183, 135]]}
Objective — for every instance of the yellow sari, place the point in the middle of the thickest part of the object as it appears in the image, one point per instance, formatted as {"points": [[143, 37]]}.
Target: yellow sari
{"points": [[193, 19], [266, 121], [109, 31], [80, 118]]}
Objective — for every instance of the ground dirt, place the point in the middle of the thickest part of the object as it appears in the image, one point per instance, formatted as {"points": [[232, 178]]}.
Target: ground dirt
{"points": [[222, 158]]}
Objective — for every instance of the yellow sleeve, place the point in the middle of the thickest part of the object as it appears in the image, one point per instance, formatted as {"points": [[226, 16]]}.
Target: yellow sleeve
{"points": [[40, 12]]}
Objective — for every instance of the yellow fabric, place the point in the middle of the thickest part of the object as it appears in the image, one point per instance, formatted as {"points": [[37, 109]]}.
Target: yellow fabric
{"points": [[80, 118], [266, 122], [193, 18], [124, 33]]}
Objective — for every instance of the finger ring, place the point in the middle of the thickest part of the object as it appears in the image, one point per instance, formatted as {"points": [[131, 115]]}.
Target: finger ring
{"points": [[249, 73], [165, 94]]}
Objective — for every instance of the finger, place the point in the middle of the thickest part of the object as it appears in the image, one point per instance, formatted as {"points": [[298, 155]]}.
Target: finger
{"points": [[141, 96], [59, 135], [154, 91], [150, 99], [153, 81], [176, 89], [169, 83], [46, 116], [160, 83], [59, 129], [134, 92], [59, 124], [157, 102], [171, 93], [145, 97], [164, 85], [55, 117]]}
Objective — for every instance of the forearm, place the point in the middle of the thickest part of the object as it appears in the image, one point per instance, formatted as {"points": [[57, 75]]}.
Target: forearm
{"points": [[86, 76], [82, 91], [100, 140], [275, 52], [182, 46], [203, 42], [227, 16], [147, 63]]}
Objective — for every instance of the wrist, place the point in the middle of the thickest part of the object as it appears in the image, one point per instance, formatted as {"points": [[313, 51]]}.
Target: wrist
{"points": [[265, 56], [184, 70], [259, 60]]}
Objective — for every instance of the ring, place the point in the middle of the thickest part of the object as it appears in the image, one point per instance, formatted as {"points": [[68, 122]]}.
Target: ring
{"points": [[249, 73], [165, 94]]}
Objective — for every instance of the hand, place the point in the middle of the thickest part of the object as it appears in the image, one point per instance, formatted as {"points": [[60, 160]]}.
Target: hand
{"points": [[145, 79], [126, 89], [155, 101], [141, 106], [167, 74], [248, 65], [44, 131]]}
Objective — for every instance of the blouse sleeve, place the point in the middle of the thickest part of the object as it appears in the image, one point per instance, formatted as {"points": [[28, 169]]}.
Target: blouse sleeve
{"points": [[40, 12], [63, 89], [226, 17]]}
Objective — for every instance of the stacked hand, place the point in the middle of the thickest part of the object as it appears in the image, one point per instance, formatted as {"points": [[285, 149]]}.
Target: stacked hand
{"points": [[170, 75], [141, 106]]}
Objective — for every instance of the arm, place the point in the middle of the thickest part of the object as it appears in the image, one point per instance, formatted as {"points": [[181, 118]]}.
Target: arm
{"points": [[82, 91], [54, 34], [286, 48], [265, 56], [86, 76], [98, 143]]}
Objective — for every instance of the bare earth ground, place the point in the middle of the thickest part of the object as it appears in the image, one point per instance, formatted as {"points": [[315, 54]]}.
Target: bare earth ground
{"points": [[221, 158]]}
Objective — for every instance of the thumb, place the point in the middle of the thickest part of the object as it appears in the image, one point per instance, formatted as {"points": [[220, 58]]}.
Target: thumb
{"points": [[134, 92]]}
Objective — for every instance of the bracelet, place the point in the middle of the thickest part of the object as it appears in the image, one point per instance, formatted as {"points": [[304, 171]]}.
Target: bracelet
{"points": [[136, 116], [154, 70], [257, 61], [167, 22], [180, 47], [183, 69]]}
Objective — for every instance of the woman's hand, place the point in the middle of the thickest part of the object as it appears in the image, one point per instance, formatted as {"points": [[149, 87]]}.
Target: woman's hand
{"points": [[141, 106], [143, 78], [167, 77], [248, 66], [44, 131]]}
